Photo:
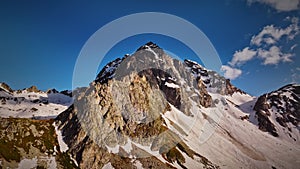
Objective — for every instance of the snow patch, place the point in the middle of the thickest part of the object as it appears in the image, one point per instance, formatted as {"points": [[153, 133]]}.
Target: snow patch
{"points": [[154, 53], [28, 163], [75, 162], [172, 85], [52, 163], [114, 150], [62, 145], [183, 121], [138, 164], [108, 166], [127, 147]]}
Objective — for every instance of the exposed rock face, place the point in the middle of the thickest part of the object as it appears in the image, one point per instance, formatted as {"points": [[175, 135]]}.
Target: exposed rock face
{"points": [[213, 81], [148, 45], [67, 93], [205, 100], [158, 79], [230, 89], [144, 126], [198, 71], [161, 70], [94, 154], [125, 106], [262, 111], [279, 109], [108, 71], [5, 87], [33, 89]]}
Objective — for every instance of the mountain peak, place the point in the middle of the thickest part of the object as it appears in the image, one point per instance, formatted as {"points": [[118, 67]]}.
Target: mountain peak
{"points": [[33, 89], [5, 87], [148, 45]]}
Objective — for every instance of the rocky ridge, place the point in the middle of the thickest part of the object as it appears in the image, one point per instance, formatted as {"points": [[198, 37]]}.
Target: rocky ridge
{"points": [[278, 112]]}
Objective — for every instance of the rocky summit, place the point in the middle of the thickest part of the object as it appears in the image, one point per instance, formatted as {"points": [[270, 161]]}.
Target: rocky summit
{"points": [[149, 110]]}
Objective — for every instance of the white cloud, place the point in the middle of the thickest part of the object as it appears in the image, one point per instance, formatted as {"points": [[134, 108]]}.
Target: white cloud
{"points": [[242, 56], [266, 45], [231, 73], [280, 5], [271, 34], [273, 56]]}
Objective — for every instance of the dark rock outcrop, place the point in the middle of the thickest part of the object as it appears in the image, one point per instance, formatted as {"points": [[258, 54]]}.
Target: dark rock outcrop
{"points": [[230, 89], [283, 105], [212, 80]]}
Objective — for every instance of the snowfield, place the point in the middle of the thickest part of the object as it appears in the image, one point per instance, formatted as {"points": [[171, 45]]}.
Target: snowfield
{"points": [[239, 143], [38, 105]]}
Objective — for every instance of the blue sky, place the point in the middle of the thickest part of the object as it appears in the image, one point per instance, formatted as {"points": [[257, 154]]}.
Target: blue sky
{"points": [[255, 39]]}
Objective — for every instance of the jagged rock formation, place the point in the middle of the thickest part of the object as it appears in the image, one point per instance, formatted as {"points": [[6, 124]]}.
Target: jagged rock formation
{"points": [[5, 87], [126, 109], [33, 89], [280, 110], [213, 81]]}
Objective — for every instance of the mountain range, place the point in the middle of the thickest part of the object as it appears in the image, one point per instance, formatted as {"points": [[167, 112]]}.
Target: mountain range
{"points": [[149, 110]]}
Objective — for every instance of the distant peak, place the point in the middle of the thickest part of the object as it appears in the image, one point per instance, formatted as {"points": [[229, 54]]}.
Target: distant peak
{"points": [[149, 44], [152, 45], [5, 87], [33, 89], [50, 91]]}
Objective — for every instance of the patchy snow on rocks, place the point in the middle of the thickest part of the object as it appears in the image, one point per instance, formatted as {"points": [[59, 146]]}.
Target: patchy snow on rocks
{"points": [[29, 104]]}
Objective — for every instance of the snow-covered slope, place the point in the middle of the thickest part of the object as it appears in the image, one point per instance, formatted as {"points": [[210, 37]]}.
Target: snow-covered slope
{"points": [[237, 142], [32, 103]]}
